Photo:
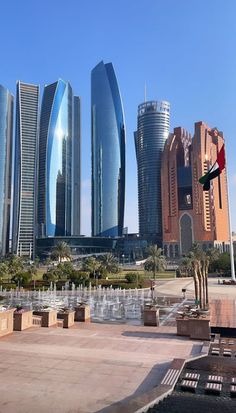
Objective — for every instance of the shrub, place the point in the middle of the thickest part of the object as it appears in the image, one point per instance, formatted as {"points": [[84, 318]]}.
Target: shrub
{"points": [[131, 277]]}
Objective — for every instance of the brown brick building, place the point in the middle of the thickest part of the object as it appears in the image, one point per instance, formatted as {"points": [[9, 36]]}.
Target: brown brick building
{"points": [[190, 214]]}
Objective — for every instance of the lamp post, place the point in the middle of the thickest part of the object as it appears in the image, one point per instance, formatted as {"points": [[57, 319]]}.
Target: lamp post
{"points": [[152, 288], [123, 259]]}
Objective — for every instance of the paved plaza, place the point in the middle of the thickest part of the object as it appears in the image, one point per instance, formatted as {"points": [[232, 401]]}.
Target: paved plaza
{"points": [[89, 367], [85, 368], [174, 287]]}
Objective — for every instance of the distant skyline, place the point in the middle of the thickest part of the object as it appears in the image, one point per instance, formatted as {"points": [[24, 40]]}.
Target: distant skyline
{"points": [[183, 51]]}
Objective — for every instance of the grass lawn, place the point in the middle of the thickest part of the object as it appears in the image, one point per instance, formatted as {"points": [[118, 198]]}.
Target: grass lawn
{"points": [[144, 274]]}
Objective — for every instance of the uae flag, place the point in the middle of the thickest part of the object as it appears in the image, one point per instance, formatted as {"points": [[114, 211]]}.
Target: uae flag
{"points": [[215, 170]]}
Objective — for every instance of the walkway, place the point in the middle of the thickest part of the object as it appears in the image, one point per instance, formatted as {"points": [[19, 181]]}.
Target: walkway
{"points": [[84, 369]]}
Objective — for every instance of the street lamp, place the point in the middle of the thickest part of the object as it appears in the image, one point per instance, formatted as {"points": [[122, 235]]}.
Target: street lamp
{"points": [[123, 259]]}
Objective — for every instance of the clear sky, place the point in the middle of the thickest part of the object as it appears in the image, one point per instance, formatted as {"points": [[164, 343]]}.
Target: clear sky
{"points": [[183, 49]]}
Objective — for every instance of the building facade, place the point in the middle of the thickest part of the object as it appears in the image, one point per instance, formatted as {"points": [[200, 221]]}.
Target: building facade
{"points": [[191, 215], [150, 137], [25, 182], [59, 162], [6, 143], [108, 153], [76, 168]]}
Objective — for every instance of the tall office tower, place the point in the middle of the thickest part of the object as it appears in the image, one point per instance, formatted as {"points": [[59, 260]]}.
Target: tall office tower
{"points": [[59, 162], [6, 129], [152, 132], [108, 153], [26, 140], [189, 213], [76, 167]]}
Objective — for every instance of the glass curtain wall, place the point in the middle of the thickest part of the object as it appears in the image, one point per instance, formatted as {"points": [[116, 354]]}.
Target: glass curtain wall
{"points": [[55, 161], [6, 131], [108, 153]]}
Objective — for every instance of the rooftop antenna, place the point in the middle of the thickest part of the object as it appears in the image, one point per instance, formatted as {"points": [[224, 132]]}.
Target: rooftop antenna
{"points": [[145, 92]]}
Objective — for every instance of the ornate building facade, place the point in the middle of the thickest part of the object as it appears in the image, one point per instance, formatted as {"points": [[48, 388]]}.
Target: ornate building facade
{"points": [[190, 214]]}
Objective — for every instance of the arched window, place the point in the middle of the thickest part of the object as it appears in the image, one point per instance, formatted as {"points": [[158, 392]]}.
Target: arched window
{"points": [[186, 233], [165, 250], [176, 250]]}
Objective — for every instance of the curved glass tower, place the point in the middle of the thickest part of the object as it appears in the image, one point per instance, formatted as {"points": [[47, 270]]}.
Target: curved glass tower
{"points": [[55, 161], [108, 153], [6, 130], [152, 132]]}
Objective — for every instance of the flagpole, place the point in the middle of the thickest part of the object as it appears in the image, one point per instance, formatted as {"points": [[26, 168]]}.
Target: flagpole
{"points": [[231, 248]]}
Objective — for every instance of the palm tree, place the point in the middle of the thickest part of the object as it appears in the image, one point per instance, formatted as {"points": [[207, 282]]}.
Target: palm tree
{"points": [[108, 263], [15, 264], [61, 250], [208, 258], [198, 254], [91, 265], [191, 262], [200, 263], [3, 270], [155, 261]]}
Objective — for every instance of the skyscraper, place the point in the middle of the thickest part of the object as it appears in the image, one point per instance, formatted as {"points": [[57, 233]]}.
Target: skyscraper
{"points": [[76, 168], [152, 132], [59, 162], [6, 129], [189, 213], [108, 153], [24, 211]]}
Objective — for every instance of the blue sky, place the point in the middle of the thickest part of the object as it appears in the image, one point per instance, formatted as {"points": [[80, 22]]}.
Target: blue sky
{"points": [[183, 49]]}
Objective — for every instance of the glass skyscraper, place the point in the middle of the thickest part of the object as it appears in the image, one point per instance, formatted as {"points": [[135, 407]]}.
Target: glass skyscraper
{"points": [[108, 153], [76, 168], [6, 130], [26, 140], [152, 132], [58, 154]]}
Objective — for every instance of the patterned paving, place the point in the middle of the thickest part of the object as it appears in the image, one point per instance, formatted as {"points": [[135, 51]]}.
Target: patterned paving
{"points": [[223, 313]]}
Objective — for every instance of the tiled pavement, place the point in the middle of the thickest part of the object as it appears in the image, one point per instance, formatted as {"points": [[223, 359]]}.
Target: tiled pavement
{"points": [[84, 369], [223, 312]]}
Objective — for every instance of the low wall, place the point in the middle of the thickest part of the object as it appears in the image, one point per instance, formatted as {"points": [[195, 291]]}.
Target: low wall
{"points": [[6, 322]]}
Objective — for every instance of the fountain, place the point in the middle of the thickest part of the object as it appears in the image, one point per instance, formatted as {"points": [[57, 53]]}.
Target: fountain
{"points": [[106, 304]]}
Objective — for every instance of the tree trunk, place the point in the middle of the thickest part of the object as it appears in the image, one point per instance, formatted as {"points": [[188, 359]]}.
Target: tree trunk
{"points": [[196, 286], [202, 274], [206, 281], [200, 285]]}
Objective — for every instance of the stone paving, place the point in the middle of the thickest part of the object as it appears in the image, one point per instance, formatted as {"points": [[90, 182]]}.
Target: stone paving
{"points": [[85, 368], [174, 287]]}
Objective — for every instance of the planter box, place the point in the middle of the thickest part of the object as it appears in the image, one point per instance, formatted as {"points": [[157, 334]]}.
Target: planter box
{"points": [[6, 322], [182, 326], [151, 316], [49, 318], [68, 318], [82, 313], [23, 320], [195, 328]]}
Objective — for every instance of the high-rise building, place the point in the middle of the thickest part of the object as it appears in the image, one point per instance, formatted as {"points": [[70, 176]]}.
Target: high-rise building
{"points": [[108, 153], [6, 130], [76, 168], [25, 182], [59, 162], [150, 137], [189, 213]]}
